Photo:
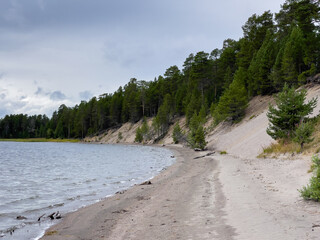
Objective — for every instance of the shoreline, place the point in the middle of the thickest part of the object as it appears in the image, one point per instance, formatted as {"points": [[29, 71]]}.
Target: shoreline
{"points": [[155, 211], [214, 197], [29, 228]]}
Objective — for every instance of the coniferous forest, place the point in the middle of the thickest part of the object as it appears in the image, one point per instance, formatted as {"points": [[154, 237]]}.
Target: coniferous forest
{"points": [[275, 49]]}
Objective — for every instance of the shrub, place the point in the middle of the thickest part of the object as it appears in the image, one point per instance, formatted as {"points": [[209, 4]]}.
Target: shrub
{"points": [[312, 191], [197, 134], [177, 134], [303, 134], [139, 136], [120, 137]]}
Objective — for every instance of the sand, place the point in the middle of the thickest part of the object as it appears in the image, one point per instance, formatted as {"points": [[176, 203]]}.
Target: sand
{"points": [[183, 202], [233, 196], [215, 197]]}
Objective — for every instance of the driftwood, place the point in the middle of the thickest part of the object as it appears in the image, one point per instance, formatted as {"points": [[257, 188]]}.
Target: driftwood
{"points": [[208, 154], [40, 217], [146, 183], [121, 211], [51, 216], [58, 215], [121, 192]]}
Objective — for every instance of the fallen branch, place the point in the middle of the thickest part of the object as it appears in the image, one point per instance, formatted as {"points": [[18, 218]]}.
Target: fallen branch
{"points": [[51, 215], [208, 154], [40, 217]]}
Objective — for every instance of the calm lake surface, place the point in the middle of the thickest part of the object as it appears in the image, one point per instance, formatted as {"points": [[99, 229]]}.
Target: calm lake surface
{"points": [[42, 178]]}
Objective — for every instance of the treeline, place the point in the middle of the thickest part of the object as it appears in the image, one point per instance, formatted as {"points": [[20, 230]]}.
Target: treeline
{"points": [[275, 49]]}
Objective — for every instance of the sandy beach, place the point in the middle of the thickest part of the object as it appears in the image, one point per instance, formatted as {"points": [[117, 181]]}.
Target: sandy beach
{"points": [[231, 196], [214, 197], [177, 205]]}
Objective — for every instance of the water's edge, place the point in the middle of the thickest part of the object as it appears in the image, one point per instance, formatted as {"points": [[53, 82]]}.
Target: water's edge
{"points": [[44, 226]]}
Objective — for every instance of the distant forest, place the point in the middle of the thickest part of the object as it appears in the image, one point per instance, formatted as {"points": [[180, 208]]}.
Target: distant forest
{"points": [[275, 49]]}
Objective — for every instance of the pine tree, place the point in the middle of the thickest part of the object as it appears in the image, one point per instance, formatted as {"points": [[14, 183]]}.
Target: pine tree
{"points": [[260, 68], [177, 133], [289, 111], [292, 60], [139, 136], [303, 134], [234, 101], [197, 134]]}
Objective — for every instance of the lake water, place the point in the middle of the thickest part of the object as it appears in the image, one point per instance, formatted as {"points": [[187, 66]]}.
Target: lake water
{"points": [[42, 178]]}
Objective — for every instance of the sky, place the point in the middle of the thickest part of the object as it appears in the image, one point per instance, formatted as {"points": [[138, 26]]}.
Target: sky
{"points": [[55, 52]]}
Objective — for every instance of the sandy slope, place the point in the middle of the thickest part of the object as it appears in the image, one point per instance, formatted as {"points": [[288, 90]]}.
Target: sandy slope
{"points": [[233, 196]]}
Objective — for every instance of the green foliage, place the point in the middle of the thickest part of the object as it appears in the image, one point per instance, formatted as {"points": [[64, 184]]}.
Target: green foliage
{"points": [[199, 140], [312, 191], [197, 134], [289, 111], [260, 68], [139, 135], [234, 101], [142, 133], [177, 133], [303, 133], [144, 127], [120, 137], [271, 52], [165, 113], [293, 55]]}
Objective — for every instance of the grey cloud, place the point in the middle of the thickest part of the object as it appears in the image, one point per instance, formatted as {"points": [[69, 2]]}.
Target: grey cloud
{"points": [[57, 96], [85, 95], [44, 39], [11, 106], [2, 96], [40, 91]]}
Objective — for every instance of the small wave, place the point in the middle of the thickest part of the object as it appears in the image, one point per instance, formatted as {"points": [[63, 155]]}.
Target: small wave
{"points": [[18, 201], [73, 198], [60, 178], [89, 194], [90, 180], [56, 205], [117, 182]]}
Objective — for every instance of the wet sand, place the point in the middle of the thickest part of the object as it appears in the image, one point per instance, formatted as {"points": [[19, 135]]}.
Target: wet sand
{"points": [[183, 202]]}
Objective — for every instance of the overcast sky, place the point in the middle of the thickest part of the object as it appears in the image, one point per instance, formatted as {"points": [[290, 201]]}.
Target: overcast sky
{"points": [[64, 51]]}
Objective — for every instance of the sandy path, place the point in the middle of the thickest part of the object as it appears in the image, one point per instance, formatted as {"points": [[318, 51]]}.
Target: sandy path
{"points": [[263, 201], [183, 202]]}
